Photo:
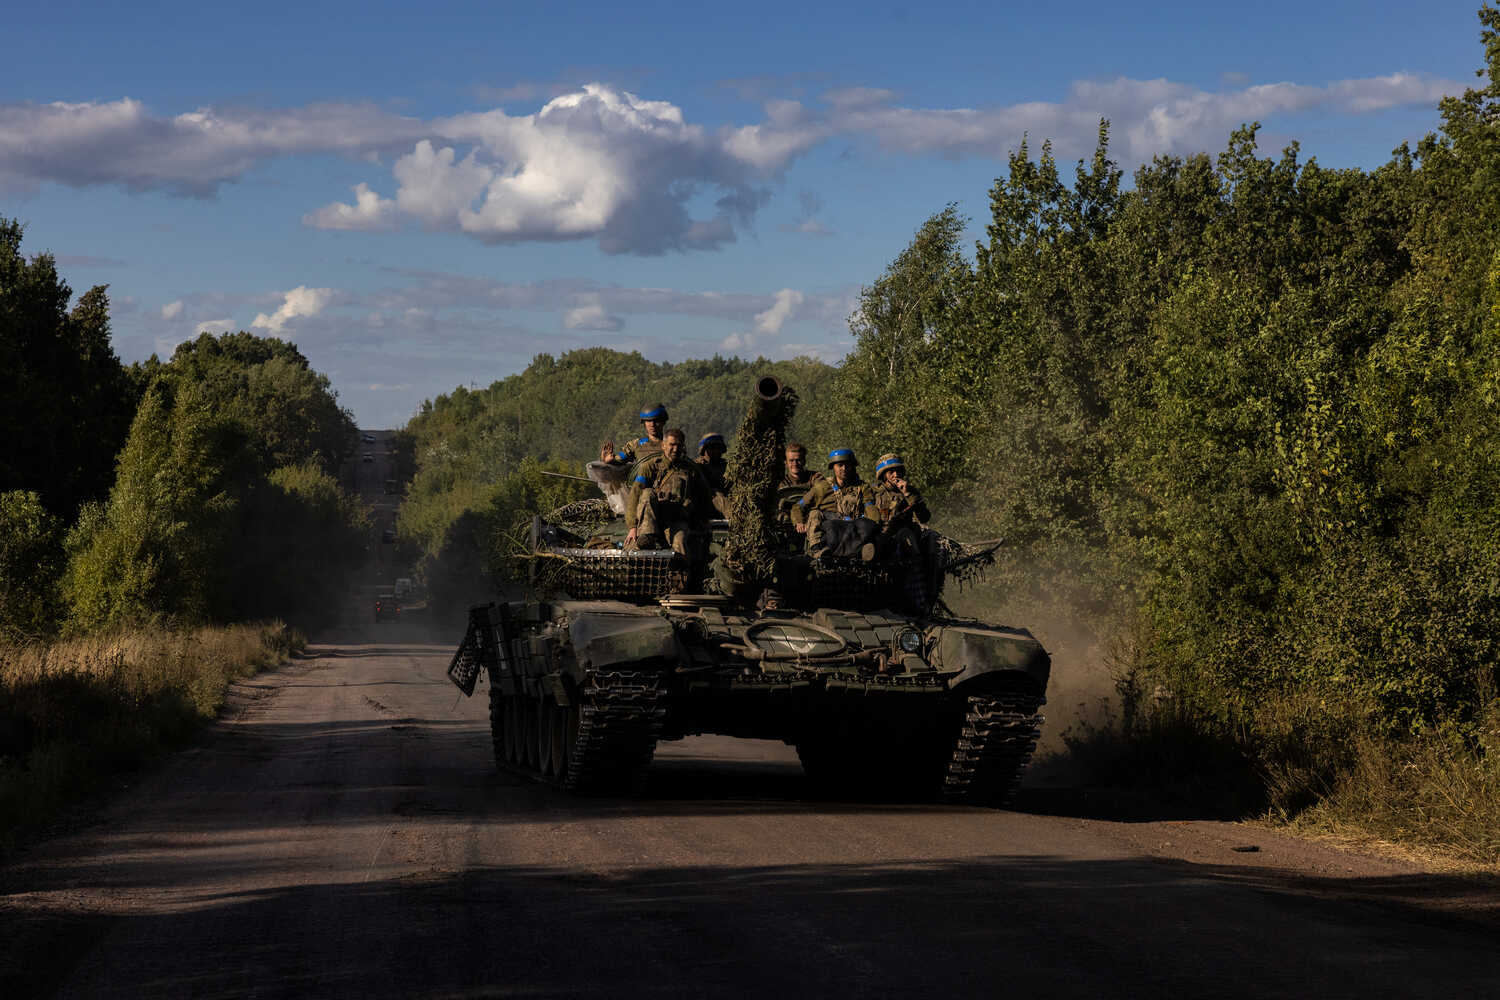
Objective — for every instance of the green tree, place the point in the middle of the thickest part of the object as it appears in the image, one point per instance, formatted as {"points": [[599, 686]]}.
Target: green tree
{"points": [[290, 412], [31, 559], [63, 391], [896, 374], [299, 547], [162, 548]]}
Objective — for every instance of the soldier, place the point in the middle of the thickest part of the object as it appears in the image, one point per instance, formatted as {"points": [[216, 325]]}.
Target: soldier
{"points": [[839, 514], [653, 419], [669, 499], [711, 462], [903, 512], [794, 485]]}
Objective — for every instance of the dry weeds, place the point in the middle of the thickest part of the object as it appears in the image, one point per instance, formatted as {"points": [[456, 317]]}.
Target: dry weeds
{"points": [[76, 711]]}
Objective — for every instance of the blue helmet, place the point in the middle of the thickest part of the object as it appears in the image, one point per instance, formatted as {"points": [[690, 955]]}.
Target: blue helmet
{"points": [[888, 461], [656, 411], [710, 439], [842, 455]]}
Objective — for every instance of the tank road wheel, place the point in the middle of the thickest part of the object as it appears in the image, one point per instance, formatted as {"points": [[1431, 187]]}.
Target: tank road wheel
{"points": [[499, 730], [512, 730], [543, 709], [560, 741], [572, 721], [527, 712]]}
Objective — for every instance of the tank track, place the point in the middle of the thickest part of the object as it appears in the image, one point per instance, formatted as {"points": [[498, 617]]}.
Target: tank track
{"points": [[619, 721], [994, 745]]}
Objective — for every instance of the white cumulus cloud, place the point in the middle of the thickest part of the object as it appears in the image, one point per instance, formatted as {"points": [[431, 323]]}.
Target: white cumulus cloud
{"points": [[369, 211], [770, 322], [592, 316], [300, 301], [172, 309], [627, 172], [225, 325], [598, 164]]}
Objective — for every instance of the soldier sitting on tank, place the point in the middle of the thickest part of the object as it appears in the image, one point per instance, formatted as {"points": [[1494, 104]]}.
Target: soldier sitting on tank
{"points": [[903, 512], [839, 513], [669, 502], [794, 485], [711, 463], [653, 419]]}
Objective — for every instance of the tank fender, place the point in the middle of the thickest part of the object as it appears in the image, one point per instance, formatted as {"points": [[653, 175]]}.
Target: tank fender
{"points": [[604, 640], [988, 656]]}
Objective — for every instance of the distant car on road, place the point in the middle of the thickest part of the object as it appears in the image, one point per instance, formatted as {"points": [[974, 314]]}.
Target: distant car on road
{"points": [[388, 535], [387, 608], [367, 438], [367, 457]]}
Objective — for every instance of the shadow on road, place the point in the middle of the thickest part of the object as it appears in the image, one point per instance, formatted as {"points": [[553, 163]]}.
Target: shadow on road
{"points": [[998, 925]]}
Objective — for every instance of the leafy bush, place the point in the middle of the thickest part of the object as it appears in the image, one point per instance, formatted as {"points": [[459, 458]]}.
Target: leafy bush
{"points": [[31, 559], [199, 527]]}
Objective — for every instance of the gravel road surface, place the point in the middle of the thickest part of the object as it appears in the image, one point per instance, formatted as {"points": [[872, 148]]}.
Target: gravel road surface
{"points": [[344, 833]]}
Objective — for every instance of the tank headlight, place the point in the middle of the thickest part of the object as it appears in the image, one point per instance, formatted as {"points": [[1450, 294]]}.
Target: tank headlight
{"points": [[910, 641]]}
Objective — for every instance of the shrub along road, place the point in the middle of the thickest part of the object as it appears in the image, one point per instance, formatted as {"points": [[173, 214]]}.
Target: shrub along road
{"points": [[343, 832]]}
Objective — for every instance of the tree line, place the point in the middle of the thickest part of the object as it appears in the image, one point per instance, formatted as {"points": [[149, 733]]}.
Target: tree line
{"points": [[1239, 415], [197, 490]]}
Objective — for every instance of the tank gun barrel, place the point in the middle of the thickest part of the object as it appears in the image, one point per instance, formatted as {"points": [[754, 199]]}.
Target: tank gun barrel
{"points": [[768, 388], [749, 555]]}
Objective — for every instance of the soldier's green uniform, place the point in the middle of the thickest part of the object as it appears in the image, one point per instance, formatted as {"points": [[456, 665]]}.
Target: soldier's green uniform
{"points": [[852, 504], [667, 500], [715, 470], [892, 503], [902, 515], [638, 450], [789, 491], [641, 448]]}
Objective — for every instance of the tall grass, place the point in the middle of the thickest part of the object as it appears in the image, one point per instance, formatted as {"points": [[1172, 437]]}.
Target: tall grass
{"points": [[1309, 759], [1439, 791], [74, 712]]}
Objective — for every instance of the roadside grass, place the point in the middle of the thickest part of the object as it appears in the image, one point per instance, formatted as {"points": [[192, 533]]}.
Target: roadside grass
{"points": [[1314, 766], [75, 712], [1438, 793]]}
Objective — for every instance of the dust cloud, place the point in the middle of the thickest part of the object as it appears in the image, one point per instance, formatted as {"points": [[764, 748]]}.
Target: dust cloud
{"points": [[1081, 694]]}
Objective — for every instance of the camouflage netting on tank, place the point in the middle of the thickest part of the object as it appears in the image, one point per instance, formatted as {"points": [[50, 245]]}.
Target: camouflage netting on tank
{"points": [[911, 584], [582, 517], [755, 469], [963, 562], [609, 574], [848, 583]]}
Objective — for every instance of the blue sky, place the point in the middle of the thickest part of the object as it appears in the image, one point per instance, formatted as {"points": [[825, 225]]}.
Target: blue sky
{"points": [[427, 195]]}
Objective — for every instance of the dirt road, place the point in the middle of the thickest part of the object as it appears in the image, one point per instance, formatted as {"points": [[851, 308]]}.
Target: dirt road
{"points": [[345, 834]]}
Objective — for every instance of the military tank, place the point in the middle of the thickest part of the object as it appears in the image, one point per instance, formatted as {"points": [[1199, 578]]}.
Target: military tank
{"points": [[858, 665]]}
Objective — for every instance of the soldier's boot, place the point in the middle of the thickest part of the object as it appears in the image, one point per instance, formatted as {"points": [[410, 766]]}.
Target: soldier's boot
{"points": [[648, 530]]}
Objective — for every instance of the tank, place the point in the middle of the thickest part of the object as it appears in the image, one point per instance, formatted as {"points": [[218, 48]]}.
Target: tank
{"points": [[858, 665]]}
